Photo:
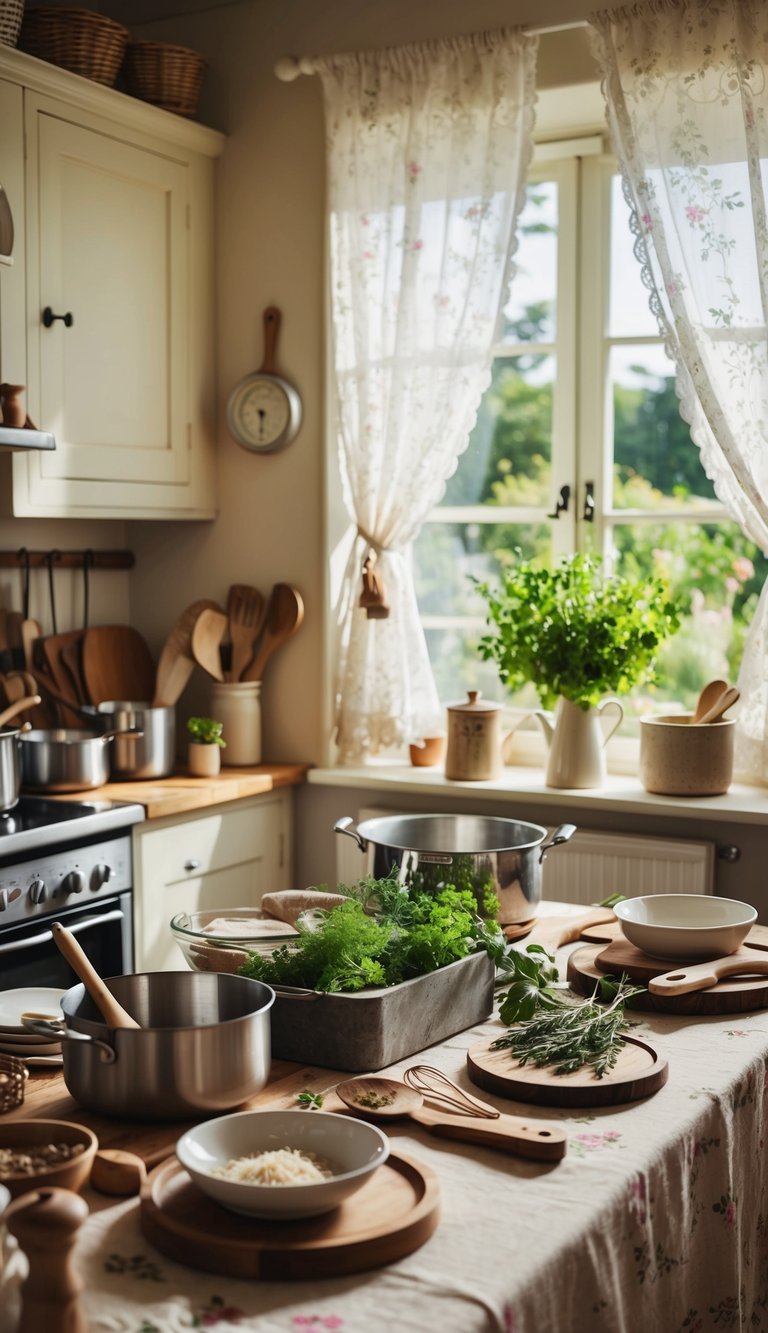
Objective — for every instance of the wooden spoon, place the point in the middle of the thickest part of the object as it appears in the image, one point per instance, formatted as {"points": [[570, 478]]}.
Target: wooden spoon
{"points": [[700, 976], [207, 635], [246, 610], [176, 663], [384, 1099], [284, 616], [20, 706], [709, 695], [721, 705], [113, 1013]]}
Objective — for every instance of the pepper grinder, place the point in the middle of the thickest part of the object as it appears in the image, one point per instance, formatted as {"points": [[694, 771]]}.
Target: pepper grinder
{"points": [[45, 1223]]}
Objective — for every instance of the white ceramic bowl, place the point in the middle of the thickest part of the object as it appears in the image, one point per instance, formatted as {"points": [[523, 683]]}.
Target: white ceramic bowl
{"points": [[685, 926], [353, 1149]]}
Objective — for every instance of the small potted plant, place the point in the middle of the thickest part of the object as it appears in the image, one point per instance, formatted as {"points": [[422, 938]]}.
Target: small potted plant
{"points": [[578, 634], [205, 746]]}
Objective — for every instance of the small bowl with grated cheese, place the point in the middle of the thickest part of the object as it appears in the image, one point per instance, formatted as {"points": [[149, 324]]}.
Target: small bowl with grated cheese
{"points": [[282, 1164]]}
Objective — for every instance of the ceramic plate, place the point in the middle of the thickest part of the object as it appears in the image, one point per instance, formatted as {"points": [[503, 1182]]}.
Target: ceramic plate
{"points": [[28, 999], [23, 1050], [44, 1061]]}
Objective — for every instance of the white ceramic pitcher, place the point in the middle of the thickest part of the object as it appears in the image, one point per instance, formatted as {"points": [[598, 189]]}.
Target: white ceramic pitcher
{"points": [[577, 739]]}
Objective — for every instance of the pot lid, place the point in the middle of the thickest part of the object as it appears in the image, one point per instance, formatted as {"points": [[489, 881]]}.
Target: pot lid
{"points": [[473, 704]]}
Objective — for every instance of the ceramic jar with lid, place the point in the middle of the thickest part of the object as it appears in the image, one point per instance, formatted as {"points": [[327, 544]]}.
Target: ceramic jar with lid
{"points": [[475, 750]]}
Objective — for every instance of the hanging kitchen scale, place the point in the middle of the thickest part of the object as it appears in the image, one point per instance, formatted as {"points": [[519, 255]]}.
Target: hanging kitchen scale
{"points": [[264, 411]]}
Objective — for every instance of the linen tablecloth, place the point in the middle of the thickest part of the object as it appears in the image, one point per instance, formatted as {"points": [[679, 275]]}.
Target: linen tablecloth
{"points": [[657, 1219]]}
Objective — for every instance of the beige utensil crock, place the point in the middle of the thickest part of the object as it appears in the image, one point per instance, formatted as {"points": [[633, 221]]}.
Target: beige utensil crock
{"points": [[682, 758], [475, 751]]}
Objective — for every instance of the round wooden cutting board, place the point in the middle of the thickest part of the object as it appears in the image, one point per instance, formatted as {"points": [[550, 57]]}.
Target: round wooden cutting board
{"points": [[739, 995], [394, 1213], [638, 1072]]}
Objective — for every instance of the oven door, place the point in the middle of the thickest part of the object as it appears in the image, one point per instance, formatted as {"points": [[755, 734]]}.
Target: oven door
{"points": [[29, 957]]}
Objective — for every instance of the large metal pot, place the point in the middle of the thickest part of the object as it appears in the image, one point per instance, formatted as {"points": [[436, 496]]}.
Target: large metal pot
{"points": [[10, 767], [203, 1045], [64, 759], [470, 851], [153, 756]]}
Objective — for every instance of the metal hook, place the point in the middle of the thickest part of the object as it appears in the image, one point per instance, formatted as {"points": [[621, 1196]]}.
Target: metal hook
{"points": [[50, 558], [88, 562], [23, 558]]}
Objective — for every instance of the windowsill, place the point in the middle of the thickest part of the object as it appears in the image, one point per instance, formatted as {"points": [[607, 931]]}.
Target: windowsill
{"points": [[620, 793]]}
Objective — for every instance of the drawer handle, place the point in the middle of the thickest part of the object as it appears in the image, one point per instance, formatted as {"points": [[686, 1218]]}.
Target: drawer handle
{"points": [[49, 317], [192, 864]]}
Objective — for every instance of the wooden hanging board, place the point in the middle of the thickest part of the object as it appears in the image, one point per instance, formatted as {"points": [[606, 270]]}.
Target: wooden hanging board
{"points": [[638, 1072], [607, 932], [394, 1213], [117, 664], [738, 995]]}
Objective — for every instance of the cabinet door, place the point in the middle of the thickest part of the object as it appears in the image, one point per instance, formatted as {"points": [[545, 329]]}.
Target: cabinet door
{"points": [[13, 361]]}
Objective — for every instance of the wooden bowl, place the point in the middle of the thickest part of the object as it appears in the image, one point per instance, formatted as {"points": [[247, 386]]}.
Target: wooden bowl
{"points": [[29, 1134]]}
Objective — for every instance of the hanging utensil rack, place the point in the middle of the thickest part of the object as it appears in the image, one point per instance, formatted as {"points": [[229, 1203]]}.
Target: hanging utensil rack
{"points": [[67, 559]]}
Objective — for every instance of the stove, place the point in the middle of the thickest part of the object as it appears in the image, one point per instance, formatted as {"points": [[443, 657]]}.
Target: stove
{"points": [[68, 861]]}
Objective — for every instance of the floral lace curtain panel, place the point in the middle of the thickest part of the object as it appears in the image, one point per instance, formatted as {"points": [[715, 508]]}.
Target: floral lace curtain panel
{"points": [[686, 87], [428, 147]]}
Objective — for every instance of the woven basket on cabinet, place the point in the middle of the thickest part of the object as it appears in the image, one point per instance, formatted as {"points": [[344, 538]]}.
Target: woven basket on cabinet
{"points": [[77, 40], [168, 76], [11, 13]]}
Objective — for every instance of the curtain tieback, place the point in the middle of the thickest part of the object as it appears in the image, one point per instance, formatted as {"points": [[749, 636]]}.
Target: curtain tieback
{"points": [[372, 599]]}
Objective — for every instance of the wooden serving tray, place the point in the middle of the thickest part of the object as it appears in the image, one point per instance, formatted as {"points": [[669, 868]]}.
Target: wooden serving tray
{"points": [[736, 995], [638, 1072], [392, 1215]]}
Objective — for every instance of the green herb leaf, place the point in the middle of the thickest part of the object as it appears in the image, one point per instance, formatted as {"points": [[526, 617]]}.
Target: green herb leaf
{"points": [[310, 1101]]}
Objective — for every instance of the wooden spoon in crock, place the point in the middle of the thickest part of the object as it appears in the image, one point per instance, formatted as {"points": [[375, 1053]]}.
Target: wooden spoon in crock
{"points": [[113, 1013]]}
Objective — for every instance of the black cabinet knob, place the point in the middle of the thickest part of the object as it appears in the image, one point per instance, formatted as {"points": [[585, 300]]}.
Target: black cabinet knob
{"points": [[49, 317]]}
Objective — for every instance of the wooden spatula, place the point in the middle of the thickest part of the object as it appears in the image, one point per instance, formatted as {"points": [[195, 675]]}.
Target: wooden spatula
{"points": [[246, 611], [176, 662], [117, 664], [208, 632], [113, 1013], [285, 614]]}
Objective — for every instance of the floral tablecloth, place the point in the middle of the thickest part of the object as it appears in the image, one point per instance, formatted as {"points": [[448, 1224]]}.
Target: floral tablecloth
{"points": [[657, 1219]]}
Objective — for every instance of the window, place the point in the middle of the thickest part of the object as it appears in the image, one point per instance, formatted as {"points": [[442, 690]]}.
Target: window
{"points": [[579, 444]]}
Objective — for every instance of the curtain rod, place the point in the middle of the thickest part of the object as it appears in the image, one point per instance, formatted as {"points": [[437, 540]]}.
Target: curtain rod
{"points": [[288, 68]]}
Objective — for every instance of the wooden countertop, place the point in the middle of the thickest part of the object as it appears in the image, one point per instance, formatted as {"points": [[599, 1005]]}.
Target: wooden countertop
{"points": [[181, 793]]}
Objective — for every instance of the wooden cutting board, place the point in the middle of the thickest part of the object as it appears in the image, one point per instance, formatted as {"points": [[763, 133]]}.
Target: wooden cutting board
{"points": [[394, 1213], [50, 651], [607, 932], [117, 664], [731, 996], [638, 1072]]}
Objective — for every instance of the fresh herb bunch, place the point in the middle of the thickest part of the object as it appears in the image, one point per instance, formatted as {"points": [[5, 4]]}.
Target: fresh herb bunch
{"points": [[206, 731], [533, 985], [410, 935], [575, 631], [570, 1036]]}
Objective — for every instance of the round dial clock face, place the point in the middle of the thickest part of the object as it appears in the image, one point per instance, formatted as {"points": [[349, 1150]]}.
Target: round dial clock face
{"points": [[264, 412]]}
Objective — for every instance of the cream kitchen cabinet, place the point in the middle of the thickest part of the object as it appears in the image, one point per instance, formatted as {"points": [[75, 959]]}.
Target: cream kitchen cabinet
{"points": [[119, 302], [225, 856]]}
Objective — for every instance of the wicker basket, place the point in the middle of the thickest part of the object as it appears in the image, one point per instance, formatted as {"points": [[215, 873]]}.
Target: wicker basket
{"points": [[13, 1072], [75, 39], [165, 75], [11, 13]]}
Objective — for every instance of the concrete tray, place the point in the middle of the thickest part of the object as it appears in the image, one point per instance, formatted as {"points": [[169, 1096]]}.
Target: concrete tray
{"points": [[375, 1028]]}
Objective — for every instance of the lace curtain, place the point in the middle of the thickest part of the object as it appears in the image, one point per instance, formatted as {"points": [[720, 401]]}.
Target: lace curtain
{"points": [[686, 89], [428, 147]]}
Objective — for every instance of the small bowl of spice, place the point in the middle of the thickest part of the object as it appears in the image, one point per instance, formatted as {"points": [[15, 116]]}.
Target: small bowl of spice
{"points": [[37, 1153], [282, 1164]]}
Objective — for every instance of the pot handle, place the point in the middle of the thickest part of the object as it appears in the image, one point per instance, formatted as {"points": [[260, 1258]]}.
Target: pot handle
{"points": [[132, 734], [562, 834], [343, 826], [58, 1030]]}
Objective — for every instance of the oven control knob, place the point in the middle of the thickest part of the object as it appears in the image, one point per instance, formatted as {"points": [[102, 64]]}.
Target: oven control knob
{"points": [[38, 891], [74, 882], [100, 874], [3, 899]]}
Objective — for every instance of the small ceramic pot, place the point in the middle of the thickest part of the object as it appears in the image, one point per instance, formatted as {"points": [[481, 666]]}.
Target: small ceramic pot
{"points": [[683, 758], [204, 760], [428, 752]]}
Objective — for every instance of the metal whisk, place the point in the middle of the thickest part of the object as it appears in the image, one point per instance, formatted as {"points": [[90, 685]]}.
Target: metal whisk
{"points": [[437, 1087]]}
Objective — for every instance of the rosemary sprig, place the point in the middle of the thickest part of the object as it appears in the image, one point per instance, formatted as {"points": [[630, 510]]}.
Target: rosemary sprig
{"points": [[572, 1035]]}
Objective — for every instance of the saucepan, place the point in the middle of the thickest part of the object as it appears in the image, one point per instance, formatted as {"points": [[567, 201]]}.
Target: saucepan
{"points": [[63, 759], [154, 755], [10, 767], [203, 1044], [474, 852]]}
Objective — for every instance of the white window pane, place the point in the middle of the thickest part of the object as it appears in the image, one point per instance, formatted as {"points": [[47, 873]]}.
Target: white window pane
{"points": [[446, 556], [629, 313], [656, 464], [530, 313]]}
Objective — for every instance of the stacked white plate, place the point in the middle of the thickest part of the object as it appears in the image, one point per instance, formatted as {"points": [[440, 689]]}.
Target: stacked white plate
{"points": [[17, 1040]]}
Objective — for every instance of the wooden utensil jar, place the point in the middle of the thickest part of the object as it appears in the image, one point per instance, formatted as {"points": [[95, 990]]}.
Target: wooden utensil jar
{"points": [[238, 707], [476, 747]]}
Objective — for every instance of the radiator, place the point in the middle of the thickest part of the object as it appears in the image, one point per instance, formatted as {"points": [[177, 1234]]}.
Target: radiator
{"points": [[592, 866]]}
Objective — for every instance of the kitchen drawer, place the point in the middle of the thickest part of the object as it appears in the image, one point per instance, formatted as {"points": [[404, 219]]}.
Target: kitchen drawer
{"points": [[208, 843]]}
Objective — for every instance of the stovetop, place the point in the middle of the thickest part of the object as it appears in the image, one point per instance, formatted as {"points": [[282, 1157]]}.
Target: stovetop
{"points": [[36, 823]]}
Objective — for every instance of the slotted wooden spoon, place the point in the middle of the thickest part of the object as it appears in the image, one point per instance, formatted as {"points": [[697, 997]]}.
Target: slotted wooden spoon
{"points": [[285, 614], [176, 662], [246, 610], [385, 1099]]}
